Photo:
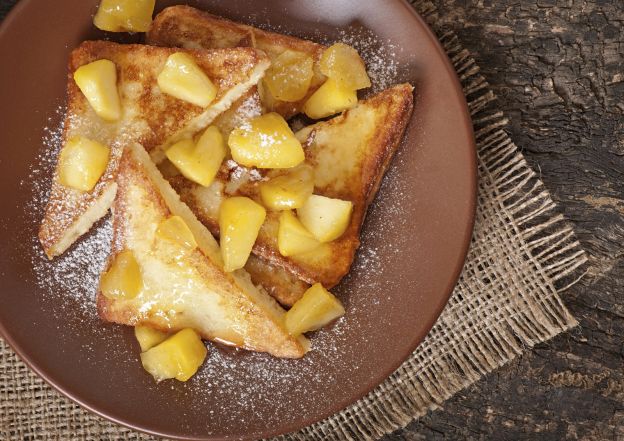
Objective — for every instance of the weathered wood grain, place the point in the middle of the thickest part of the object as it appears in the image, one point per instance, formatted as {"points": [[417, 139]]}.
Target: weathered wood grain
{"points": [[558, 68]]}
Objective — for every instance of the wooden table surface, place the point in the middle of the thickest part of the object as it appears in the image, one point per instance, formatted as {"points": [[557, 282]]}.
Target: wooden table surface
{"points": [[558, 69]]}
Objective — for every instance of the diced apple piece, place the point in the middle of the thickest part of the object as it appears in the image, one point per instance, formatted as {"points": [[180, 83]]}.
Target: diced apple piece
{"points": [[288, 191], [149, 337], [344, 65], [123, 280], [266, 142], [182, 78], [289, 77], [240, 220], [292, 236], [179, 357], [98, 83], [315, 309], [199, 162], [326, 218], [124, 15], [82, 163], [174, 229], [329, 99]]}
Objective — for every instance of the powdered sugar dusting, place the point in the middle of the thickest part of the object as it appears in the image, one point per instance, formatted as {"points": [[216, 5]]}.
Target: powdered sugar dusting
{"points": [[74, 275]]}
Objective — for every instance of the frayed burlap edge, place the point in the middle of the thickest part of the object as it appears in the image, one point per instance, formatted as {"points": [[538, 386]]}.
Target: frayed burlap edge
{"points": [[523, 254]]}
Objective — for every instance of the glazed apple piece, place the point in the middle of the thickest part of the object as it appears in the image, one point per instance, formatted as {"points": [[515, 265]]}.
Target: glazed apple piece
{"points": [[317, 308], [240, 219], [98, 82], [289, 191], [266, 142], [289, 77], [330, 99], [199, 161], [149, 337], [123, 279], [292, 237], [326, 218], [179, 357], [124, 15], [182, 78], [344, 65], [82, 163]]}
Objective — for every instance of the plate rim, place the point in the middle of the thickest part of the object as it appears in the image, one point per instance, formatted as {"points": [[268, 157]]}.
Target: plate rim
{"points": [[21, 7]]}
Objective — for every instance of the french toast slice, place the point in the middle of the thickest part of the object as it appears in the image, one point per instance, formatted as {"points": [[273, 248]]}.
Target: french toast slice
{"points": [[350, 154], [184, 287], [187, 27], [150, 117]]}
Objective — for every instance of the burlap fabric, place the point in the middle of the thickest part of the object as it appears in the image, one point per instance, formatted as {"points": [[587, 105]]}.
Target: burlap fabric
{"points": [[507, 300]]}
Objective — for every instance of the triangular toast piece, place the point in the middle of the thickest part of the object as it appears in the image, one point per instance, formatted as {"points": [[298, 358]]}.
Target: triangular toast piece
{"points": [[184, 288], [149, 116], [350, 154], [187, 27]]}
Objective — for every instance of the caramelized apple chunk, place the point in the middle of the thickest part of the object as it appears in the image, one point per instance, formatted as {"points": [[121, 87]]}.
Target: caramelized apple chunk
{"points": [[344, 65], [175, 230], [149, 337], [288, 191], [82, 163], [123, 280], [292, 237], [179, 357], [289, 77], [199, 161], [182, 78], [98, 82], [124, 15], [315, 309], [330, 99], [240, 219], [326, 218], [266, 142]]}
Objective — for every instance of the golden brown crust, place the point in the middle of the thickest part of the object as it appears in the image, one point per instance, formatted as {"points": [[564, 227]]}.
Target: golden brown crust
{"points": [[184, 26], [149, 117], [350, 154], [238, 313], [281, 284]]}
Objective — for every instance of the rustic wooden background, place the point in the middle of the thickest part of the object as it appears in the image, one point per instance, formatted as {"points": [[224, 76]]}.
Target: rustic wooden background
{"points": [[558, 69]]}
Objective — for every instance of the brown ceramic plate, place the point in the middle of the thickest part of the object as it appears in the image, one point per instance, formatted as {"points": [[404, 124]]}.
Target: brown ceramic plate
{"points": [[415, 240]]}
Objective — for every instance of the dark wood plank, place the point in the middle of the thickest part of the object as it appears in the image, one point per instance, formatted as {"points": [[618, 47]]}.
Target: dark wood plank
{"points": [[558, 68]]}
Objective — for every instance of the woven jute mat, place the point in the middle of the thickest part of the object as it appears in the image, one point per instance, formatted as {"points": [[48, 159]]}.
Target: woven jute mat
{"points": [[523, 255]]}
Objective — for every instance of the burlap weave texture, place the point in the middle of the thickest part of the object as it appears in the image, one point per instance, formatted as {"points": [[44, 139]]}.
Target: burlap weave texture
{"points": [[507, 299]]}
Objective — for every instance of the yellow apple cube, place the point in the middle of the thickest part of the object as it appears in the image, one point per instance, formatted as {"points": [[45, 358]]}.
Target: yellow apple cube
{"points": [[98, 83], [179, 357], [326, 218], [175, 230], [288, 191], [82, 163], [266, 142], [344, 65], [199, 162], [240, 220], [149, 337], [330, 99], [123, 280], [292, 237], [124, 15], [315, 309], [289, 77], [182, 78]]}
